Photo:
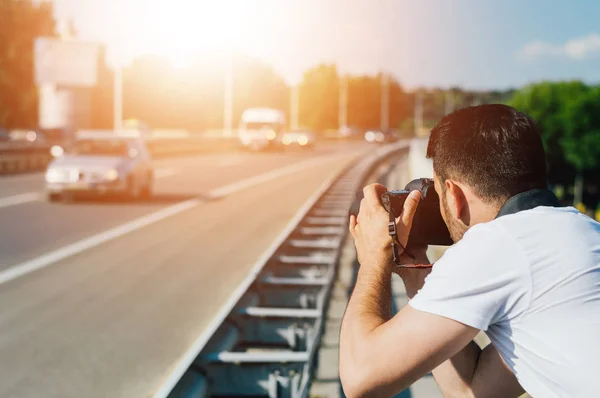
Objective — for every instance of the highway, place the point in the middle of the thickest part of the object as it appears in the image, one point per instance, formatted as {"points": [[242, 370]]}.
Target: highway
{"points": [[100, 298]]}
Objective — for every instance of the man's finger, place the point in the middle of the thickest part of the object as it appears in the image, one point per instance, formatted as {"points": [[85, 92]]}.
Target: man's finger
{"points": [[373, 194], [361, 209], [352, 226], [410, 208]]}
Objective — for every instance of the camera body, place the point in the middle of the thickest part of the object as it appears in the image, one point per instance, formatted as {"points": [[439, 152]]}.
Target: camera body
{"points": [[428, 226]]}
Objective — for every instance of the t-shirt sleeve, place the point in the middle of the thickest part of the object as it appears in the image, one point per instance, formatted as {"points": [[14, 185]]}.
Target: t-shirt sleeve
{"points": [[481, 280]]}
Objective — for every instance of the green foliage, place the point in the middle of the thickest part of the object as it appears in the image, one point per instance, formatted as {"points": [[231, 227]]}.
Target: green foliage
{"points": [[364, 102], [568, 114], [21, 21], [569, 119], [581, 138]]}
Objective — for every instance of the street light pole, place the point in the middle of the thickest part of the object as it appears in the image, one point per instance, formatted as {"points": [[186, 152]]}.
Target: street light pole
{"points": [[118, 98], [343, 103], [228, 96], [295, 106], [418, 124], [385, 102]]}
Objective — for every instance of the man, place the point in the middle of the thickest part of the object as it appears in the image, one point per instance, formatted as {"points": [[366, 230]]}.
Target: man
{"points": [[530, 279]]}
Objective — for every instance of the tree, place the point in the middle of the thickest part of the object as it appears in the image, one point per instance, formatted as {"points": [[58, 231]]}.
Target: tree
{"points": [[364, 101], [21, 22], [581, 138], [319, 98], [567, 114]]}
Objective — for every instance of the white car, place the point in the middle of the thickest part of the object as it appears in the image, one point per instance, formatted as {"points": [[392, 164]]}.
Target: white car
{"points": [[106, 164]]}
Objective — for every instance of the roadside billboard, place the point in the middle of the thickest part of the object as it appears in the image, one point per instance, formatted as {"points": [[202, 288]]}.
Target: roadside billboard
{"points": [[69, 63]]}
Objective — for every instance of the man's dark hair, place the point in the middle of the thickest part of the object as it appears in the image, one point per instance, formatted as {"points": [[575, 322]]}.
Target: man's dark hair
{"points": [[495, 149]]}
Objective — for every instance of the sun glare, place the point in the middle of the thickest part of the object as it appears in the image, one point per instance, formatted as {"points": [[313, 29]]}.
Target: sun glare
{"points": [[179, 29]]}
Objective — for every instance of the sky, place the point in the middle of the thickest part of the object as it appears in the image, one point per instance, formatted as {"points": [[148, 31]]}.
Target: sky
{"points": [[475, 44]]}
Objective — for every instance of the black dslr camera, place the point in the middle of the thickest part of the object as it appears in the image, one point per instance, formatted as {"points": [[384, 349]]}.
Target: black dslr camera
{"points": [[428, 226]]}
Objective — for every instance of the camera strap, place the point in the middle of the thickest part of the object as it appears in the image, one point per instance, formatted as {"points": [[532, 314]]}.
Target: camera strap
{"points": [[529, 200], [393, 231]]}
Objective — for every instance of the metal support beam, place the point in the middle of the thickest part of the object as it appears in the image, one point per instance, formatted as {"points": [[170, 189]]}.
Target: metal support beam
{"points": [[311, 259], [325, 231]]}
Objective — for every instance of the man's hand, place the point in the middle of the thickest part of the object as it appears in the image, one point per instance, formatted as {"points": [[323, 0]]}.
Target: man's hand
{"points": [[370, 231]]}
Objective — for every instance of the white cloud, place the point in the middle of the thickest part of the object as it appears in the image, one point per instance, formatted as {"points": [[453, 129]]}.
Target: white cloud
{"points": [[577, 49]]}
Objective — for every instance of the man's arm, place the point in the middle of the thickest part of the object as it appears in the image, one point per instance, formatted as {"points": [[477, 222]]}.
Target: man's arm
{"points": [[381, 356], [474, 372]]}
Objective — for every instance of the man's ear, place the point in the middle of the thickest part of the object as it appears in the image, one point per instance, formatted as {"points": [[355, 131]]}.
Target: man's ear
{"points": [[457, 201]]}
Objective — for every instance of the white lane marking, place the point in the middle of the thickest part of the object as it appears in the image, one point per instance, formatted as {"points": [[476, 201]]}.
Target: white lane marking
{"points": [[190, 355], [162, 173], [20, 199], [47, 259], [261, 178]]}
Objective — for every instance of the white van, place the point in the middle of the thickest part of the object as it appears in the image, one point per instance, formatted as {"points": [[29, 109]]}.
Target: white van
{"points": [[261, 128]]}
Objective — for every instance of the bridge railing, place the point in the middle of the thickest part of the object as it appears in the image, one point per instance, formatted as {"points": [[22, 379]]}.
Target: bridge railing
{"points": [[24, 157]]}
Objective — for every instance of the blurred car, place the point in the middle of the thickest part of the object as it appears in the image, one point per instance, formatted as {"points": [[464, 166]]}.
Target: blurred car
{"points": [[101, 164], [374, 136], [58, 136], [298, 138], [350, 132], [382, 137], [27, 136]]}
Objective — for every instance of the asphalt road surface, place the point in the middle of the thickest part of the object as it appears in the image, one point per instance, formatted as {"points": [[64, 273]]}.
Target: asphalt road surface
{"points": [[101, 298]]}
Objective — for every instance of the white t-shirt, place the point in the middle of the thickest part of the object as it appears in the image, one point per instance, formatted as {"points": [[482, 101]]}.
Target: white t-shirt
{"points": [[532, 281]]}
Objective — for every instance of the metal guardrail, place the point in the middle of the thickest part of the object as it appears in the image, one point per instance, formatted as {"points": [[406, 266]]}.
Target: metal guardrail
{"points": [[22, 157], [264, 342]]}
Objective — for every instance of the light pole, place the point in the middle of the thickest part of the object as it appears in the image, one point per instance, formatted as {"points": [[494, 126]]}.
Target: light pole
{"points": [[295, 106], [343, 103], [228, 96], [385, 102], [418, 124], [118, 97], [294, 79]]}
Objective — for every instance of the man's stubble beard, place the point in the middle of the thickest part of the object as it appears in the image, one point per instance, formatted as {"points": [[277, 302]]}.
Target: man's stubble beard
{"points": [[456, 228]]}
